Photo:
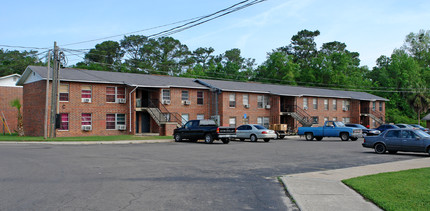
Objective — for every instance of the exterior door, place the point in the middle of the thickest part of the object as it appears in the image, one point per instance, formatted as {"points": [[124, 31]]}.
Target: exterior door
{"points": [[145, 122]]}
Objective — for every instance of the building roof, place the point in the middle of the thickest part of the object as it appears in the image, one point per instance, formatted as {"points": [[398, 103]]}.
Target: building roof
{"points": [[131, 79], [427, 117], [143, 80], [9, 80]]}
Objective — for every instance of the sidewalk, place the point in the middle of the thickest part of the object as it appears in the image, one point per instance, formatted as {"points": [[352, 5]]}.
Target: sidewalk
{"points": [[324, 190], [90, 142]]}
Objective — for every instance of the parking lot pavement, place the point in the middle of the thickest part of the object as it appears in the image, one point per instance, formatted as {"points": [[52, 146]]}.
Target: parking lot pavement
{"points": [[167, 176]]}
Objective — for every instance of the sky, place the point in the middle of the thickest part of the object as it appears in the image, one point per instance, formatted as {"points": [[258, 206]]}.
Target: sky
{"points": [[371, 28]]}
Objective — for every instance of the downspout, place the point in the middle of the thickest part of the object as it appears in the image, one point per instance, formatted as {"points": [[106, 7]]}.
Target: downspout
{"points": [[129, 99]]}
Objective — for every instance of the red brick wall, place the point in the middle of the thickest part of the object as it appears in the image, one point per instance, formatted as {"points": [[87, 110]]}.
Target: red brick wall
{"points": [[34, 107], [193, 109], [7, 94]]}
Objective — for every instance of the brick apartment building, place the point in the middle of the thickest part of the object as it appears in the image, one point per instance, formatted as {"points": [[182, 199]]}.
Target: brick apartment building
{"points": [[8, 92], [113, 103]]}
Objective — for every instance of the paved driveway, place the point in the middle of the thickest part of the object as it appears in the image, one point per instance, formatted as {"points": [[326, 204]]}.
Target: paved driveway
{"points": [[167, 176]]}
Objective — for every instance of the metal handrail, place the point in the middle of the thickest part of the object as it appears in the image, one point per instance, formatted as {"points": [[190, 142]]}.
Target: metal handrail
{"points": [[299, 111], [174, 116], [373, 112]]}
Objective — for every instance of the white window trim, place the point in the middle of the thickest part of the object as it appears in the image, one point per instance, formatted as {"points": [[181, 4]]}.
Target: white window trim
{"points": [[116, 94], [116, 121], [68, 92]]}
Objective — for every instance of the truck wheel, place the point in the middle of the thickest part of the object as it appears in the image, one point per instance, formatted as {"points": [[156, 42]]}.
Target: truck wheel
{"points": [[319, 138], [344, 136], [178, 137], [209, 139], [242, 139], [225, 140], [353, 138], [309, 136], [281, 136], [253, 138], [266, 139]]}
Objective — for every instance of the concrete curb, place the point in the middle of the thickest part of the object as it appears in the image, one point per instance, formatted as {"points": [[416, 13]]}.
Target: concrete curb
{"points": [[324, 190], [93, 142]]}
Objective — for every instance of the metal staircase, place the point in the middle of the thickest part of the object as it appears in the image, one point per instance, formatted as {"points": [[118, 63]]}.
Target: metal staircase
{"points": [[377, 116], [161, 115], [299, 114]]}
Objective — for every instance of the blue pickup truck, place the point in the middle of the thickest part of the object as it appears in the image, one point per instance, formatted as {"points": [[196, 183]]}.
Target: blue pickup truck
{"points": [[330, 129]]}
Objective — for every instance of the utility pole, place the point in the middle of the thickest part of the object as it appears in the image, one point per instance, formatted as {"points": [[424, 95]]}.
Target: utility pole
{"points": [[45, 132], [54, 93]]}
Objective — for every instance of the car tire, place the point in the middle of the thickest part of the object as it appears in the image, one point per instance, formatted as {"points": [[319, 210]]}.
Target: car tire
{"points": [[309, 136], [178, 137], [266, 139], [380, 148], [353, 138], [225, 140], [392, 151], [428, 151], [319, 138], [281, 136], [209, 139], [253, 138], [242, 139], [344, 136]]}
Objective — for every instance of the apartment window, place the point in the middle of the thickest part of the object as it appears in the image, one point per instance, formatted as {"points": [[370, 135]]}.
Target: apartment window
{"points": [[113, 120], [334, 104], [334, 118], [199, 97], [232, 122], [185, 95], [315, 103], [245, 99], [314, 120], [245, 120], [114, 93], [86, 119], [346, 120], [305, 103], [86, 91], [325, 104], [185, 118], [373, 106], [200, 116], [165, 94], [232, 100], [64, 92], [64, 121], [262, 101], [345, 105], [380, 105], [263, 121], [325, 119]]}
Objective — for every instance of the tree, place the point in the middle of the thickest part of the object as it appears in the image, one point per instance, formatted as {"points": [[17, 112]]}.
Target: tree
{"points": [[16, 104], [106, 54], [15, 61], [420, 102], [132, 47], [278, 68], [418, 46]]}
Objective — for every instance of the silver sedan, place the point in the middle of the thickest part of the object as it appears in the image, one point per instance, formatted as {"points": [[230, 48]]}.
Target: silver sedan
{"points": [[254, 132]]}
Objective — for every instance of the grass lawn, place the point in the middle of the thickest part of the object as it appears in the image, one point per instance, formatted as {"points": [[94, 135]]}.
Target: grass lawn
{"points": [[15, 138], [403, 190]]}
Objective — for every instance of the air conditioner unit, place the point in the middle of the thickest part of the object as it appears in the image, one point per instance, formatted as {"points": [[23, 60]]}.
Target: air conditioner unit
{"points": [[121, 127], [344, 109], [246, 106], [86, 127], [86, 100], [267, 106], [166, 102], [186, 102], [305, 108], [121, 100]]}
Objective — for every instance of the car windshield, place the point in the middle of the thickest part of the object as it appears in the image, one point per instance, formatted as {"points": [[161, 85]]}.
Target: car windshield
{"points": [[339, 124], [259, 127], [422, 133]]}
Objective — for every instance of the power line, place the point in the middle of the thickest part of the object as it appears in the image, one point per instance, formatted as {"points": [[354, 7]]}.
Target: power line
{"points": [[14, 46]]}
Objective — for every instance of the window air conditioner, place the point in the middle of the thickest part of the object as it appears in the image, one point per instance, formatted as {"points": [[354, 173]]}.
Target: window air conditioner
{"points": [[86, 100], [305, 108], [86, 127], [246, 106], [121, 100], [121, 127], [344, 109], [186, 102], [267, 106], [167, 102]]}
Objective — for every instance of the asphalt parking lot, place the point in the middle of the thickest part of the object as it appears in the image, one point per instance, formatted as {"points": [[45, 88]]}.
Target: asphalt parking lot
{"points": [[168, 176]]}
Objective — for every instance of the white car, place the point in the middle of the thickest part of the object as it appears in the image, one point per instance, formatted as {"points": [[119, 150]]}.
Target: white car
{"points": [[254, 132]]}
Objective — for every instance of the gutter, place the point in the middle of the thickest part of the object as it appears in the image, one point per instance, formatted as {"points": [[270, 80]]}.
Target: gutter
{"points": [[129, 99]]}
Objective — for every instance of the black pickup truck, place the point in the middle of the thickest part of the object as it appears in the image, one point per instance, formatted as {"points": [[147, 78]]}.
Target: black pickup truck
{"points": [[208, 130]]}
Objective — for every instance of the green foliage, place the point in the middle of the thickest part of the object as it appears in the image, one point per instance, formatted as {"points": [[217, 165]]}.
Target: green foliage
{"points": [[15, 62], [403, 190]]}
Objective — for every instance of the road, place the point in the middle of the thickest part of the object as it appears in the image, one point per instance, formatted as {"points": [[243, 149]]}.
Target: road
{"points": [[167, 176]]}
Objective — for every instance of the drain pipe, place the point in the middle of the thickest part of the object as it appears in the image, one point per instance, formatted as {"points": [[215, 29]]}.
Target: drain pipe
{"points": [[129, 99]]}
